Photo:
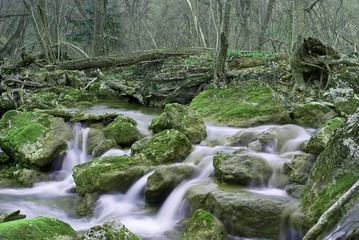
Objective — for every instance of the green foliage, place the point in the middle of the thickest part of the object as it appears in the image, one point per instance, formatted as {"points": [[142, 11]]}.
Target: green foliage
{"points": [[238, 53]]}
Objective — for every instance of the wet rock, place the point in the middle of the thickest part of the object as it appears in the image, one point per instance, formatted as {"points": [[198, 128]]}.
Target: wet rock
{"points": [[161, 183], [181, 118], [33, 139], [87, 204], [256, 146], [243, 169], [123, 130], [168, 146], [319, 141], [294, 190], [107, 174], [11, 216], [28, 177], [246, 104], [345, 100], [111, 229], [37, 228], [103, 147], [313, 114], [203, 225], [334, 172], [243, 213], [298, 168], [244, 137]]}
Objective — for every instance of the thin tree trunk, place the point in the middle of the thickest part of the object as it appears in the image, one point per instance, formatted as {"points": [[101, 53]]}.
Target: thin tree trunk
{"points": [[265, 24], [99, 28], [14, 41]]}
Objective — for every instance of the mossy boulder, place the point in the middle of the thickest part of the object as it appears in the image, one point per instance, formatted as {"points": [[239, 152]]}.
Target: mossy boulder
{"points": [[87, 204], [112, 229], [319, 141], [123, 129], [242, 169], [243, 213], [345, 100], [168, 146], [245, 104], [28, 177], [334, 172], [312, 114], [298, 168], [161, 183], [107, 174], [181, 118], [203, 225], [37, 228], [7, 177], [244, 137], [33, 139]]}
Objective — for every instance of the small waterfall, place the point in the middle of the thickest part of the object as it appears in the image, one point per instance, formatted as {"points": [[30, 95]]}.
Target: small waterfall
{"points": [[134, 193]]}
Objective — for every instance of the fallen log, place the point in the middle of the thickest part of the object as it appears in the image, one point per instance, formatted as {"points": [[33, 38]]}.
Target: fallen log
{"points": [[11, 216]]}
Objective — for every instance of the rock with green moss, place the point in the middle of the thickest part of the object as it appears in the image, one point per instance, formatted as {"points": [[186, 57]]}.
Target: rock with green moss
{"points": [[7, 177], [168, 146], [203, 225], [334, 172], [28, 177], [76, 79], [161, 183], [298, 168], [181, 118], [319, 141], [87, 204], [112, 229], [243, 169], [33, 139], [107, 174], [345, 100], [244, 136], [37, 228], [249, 103], [123, 129], [313, 114], [243, 213]]}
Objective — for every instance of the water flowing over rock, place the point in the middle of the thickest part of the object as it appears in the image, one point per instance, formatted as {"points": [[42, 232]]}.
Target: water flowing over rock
{"points": [[33, 139], [334, 172], [204, 225], [28, 177], [37, 228], [181, 118]]}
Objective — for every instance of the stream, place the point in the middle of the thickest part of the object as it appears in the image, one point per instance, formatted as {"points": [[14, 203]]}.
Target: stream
{"points": [[56, 198]]}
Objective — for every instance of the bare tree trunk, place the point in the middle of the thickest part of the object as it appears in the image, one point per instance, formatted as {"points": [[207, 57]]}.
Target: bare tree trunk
{"points": [[14, 41], [99, 28], [197, 26], [265, 24], [219, 65]]}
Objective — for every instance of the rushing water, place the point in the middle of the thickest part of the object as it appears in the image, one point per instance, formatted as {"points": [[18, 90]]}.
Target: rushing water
{"points": [[56, 198]]}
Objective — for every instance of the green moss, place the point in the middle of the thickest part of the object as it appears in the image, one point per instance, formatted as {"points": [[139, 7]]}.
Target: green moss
{"points": [[35, 229], [28, 134], [245, 104], [203, 216], [123, 130]]}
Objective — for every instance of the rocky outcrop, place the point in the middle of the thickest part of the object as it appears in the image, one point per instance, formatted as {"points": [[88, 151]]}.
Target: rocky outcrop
{"points": [[37, 228], [203, 225], [181, 118], [28, 177], [33, 139], [161, 183]]}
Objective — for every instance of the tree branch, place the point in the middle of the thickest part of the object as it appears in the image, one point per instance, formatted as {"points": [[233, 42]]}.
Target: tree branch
{"points": [[311, 6]]}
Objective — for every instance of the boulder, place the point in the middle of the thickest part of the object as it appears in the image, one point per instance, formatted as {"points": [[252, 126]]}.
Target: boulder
{"points": [[248, 103], [33, 139], [345, 100], [168, 146], [181, 118], [298, 168], [244, 137], [87, 204], [243, 169], [243, 213], [203, 225], [303, 114], [319, 141], [334, 172], [37, 228], [161, 183], [28, 177], [111, 229], [123, 130], [107, 174]]}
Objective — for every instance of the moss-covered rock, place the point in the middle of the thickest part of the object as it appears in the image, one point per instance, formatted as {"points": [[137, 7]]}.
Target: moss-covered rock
{"points": [[167, 146], [319, 141], [112, 229], [298, 168], [243, 169], [123, 129], [246, 104], [203, 225], [334, 172], [33, 139], [87, 204], [181, 118], [37, 228], [161, 183], [102, 175], [313, 114], [243, 213], [345, 100], [27, 177]]}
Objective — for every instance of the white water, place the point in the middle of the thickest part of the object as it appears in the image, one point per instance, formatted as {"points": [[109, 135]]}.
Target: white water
{"points": [[55, 198]]}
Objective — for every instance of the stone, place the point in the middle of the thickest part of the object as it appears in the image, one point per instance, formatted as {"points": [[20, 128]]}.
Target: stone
{"points": [[37, 228], [298, 169], [243, 169], [181, 118], [161, 183], [345, 100], [203, 225], [28, 177], [87, 204]]}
